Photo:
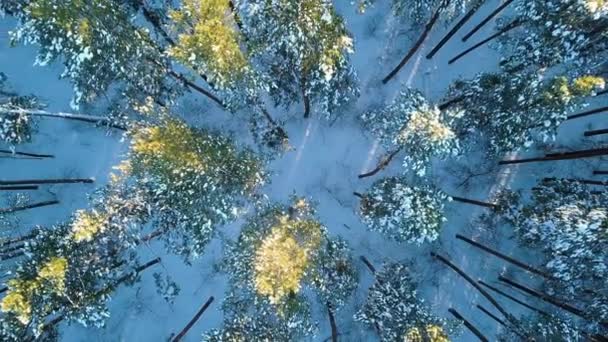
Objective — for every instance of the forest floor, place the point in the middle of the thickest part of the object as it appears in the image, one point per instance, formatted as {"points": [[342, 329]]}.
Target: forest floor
{"points": [[324, 164]]}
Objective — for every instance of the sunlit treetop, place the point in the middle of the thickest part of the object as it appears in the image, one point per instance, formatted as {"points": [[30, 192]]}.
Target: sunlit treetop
{"points": [[428, 333], [419, 12], [208, 40]]}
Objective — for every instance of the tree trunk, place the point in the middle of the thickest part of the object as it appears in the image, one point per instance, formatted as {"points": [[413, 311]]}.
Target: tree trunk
{"points": [[382, 165], [491, 315], [50, 181], [475, 285], [193, 320], [468, 324], [199, 89], [605, 91], [600, 172], [305, 99], [369, 265], [455, 29], [153, 19], [332, 323], [583, 181], [596, 132], [486, 20], [13, 255], [17, 239], [559, 156], [513, 299], [504, 30], [587, 113], [451, 102], [12, 248], [427, 29], [506, 258], [28, 154], [28, 206], [360, 195], [474, 202], [99, 120], [18, 188]]}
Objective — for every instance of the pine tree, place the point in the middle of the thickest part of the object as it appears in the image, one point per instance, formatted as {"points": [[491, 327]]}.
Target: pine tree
{"points": [[193, 180], [513, 111], [303, 47], [541, 328], [15, 128], [280, 253], [412, 125], [417, 12], [402, 212], [558, 31], [395, 310]]}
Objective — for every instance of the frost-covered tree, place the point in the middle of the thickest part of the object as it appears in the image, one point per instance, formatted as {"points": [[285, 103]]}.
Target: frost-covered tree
{"points": [[418, 12], [303, 47], [194, 180], [15, 128], [557, 31], [97, 43], [540, 328], [249, 328], [513, 111], [395, 310], [403, 212], [280, 255], [419, 129], [568, 221]]}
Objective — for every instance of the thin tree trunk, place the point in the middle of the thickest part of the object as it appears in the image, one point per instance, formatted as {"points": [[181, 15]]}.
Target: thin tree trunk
{"points": [[468, 324], [451, 102], [596, 132], [193, 320], [427, 29], [18, 188], [486, 20], [17, 239], [35, 155], [382, 165], [99, 120], [332, 323], [153, 19], [506, 257], [369, 265], [49, 181], [491, 315], [513, 299], [26, 207], [199, 89], [360, 195], [455, 29], [305, 99], [600, 172], [12, 248], [583, 181], [559, 156], [578, 153], [605, 91], [587, 113], [504, 30], [13, 255], [474, 202]]}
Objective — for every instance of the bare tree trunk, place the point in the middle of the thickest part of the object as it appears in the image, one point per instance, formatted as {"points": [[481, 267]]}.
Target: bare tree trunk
{"points": [[427, 29], [381, 165], [12, 248], [596, 132], [486, 20], [193, 320], [504, 30], [474, 202], [154, 20], [468, 324], [17, 239], [199, 89], [18, 188], [583, 181], [332, 323], [360, 195], [605, 91], [449, 103], [50, 181], [305, 99], [28, 154], [455, 29], [513, 299], [559, 156], [13, 255], [587, 113], [506, 257], [369, 265], [600, 172], [99, 120], [28, 206], [491, 315]]}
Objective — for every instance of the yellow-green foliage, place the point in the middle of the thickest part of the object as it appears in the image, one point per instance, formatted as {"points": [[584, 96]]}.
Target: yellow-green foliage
{"points": [[595, 6], [282, 260], [561, 90], [428, 123], [434, 333], [50, 278], [585, 85], [209, 41], [87, 224], [71, 16]]}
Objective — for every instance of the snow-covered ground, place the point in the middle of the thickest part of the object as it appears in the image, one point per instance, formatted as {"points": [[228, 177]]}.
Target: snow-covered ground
{"points": [[324, 166]]}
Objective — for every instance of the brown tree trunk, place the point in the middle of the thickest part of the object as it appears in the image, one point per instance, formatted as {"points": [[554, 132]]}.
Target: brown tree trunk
{"points": [[49, 181], [28, 206], [381, 165], [506, 257], [474, 202], [369, 265], [18, 188], [587, 113], [41, 156], [332, 323], [455, 29], [596, 132], [491, 315], [486, 20], [468, 324], [427, 29], [513, 299], [193, 320], [504, 30]]}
